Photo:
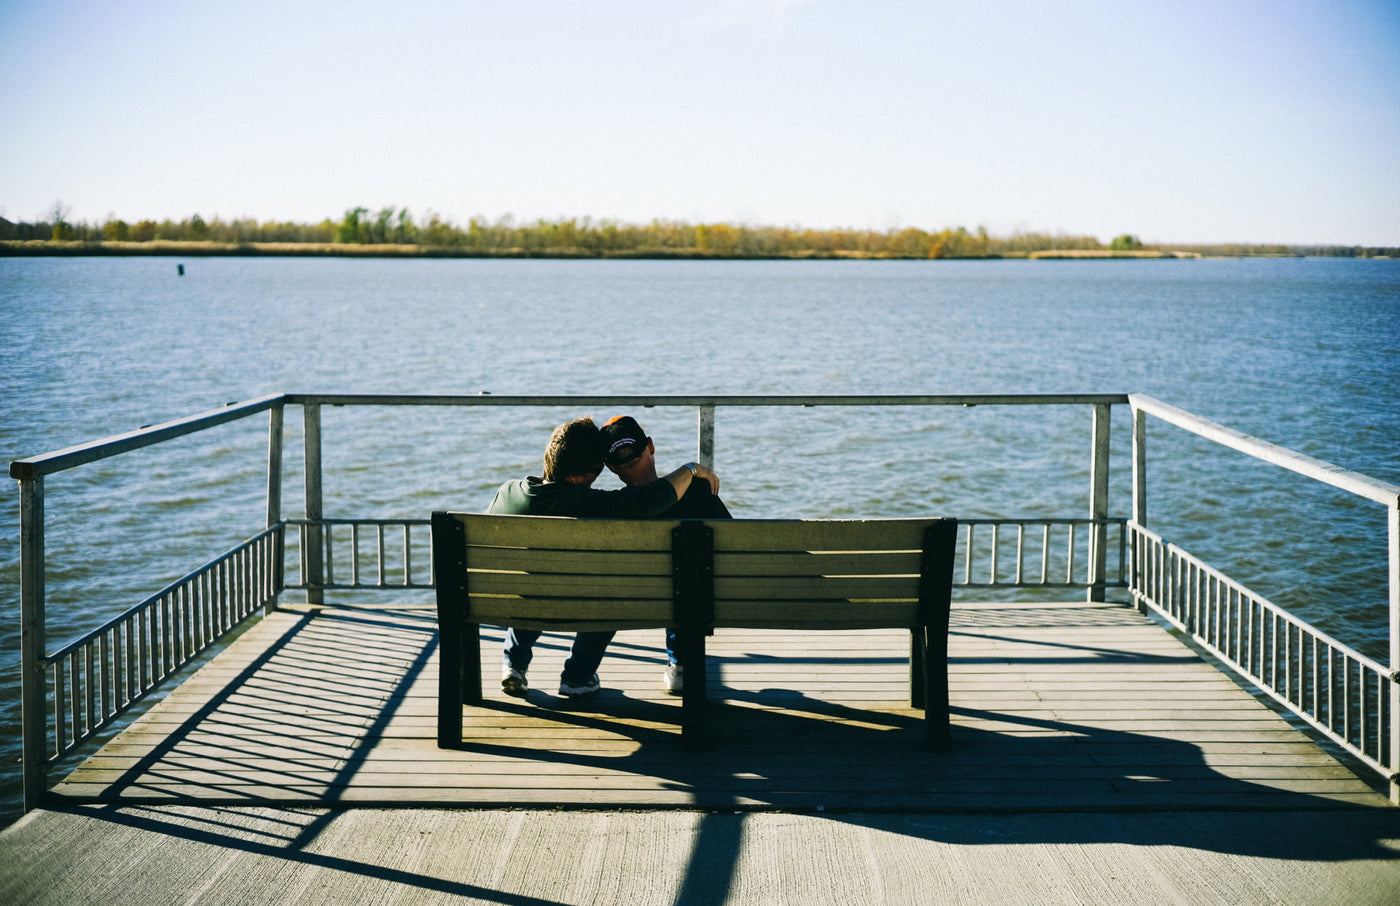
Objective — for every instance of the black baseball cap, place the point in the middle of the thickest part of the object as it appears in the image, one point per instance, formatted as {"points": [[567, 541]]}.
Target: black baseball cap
{"points": [[623, 440]]}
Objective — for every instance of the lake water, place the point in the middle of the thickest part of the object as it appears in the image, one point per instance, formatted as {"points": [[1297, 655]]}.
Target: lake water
{"points": [[1301, 352]]}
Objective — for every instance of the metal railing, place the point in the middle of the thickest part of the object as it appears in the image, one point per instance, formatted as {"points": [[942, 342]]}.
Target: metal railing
{"points": [[70, 694], [1338, 691], [92, 681], [365, 554], [1348, 697]]}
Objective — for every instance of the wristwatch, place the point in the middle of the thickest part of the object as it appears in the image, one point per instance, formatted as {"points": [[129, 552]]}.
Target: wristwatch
{"points": [[694, 469]]}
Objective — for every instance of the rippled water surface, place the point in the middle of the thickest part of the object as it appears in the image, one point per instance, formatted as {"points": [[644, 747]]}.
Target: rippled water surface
{"points": [[1304, 353]]}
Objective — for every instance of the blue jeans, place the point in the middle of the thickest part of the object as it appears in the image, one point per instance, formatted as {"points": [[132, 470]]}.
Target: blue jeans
{"points": [[583, 661]]}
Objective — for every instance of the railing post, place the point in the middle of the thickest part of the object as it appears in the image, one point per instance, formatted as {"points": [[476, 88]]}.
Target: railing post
{"points": [[705, 452], [33, 694], [1395, 651], [311, 442], [274, 497], [1098, 502], [1137, 553]]}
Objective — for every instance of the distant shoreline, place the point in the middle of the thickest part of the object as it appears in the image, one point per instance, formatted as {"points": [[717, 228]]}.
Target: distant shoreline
{"points": [[48, 248]]}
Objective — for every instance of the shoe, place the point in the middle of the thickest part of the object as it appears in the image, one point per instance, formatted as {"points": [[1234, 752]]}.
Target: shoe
{"points": [[587, 688], [513, 682], [674, 679]]}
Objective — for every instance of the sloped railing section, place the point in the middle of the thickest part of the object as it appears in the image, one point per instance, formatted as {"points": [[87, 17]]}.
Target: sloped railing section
{"points": [[92, 681], [1338, 691]]}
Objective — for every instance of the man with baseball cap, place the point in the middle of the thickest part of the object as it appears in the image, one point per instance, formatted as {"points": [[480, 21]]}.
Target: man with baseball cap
{"points": [[572, 461], [631, 456]]}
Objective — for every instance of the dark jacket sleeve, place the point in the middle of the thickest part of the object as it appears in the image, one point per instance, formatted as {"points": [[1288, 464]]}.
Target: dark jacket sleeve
{"points": [[628, 503]]}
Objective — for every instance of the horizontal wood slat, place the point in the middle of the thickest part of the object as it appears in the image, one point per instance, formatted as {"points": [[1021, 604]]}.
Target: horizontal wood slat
{"points": [[561, 532], [605, 587], [806, 563], [579, 562], [800, 588], [820, 534]]}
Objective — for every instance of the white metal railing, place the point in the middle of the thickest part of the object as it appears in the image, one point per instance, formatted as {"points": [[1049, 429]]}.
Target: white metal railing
{"points": [[1042, 553], [1338, 691], [1350, 698], [365, 553], [70, 694], [92, 681]]}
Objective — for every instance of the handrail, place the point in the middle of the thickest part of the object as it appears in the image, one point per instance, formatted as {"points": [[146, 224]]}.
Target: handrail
{"points": [[1372, 489], [145, 436], [1354, 482], [691, 399]]}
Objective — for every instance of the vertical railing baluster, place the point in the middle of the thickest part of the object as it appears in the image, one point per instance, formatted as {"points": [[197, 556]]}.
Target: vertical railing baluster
{"points": [[1045, 554], [75, 694], [328, 565], [1020, 549], [60, 706], [967, 557], [104, 674], [996, 544], [379, 551], [407, 557], [355, 554]]}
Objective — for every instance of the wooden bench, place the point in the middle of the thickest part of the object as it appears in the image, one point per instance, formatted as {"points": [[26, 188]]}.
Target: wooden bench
{"points": [[562, 574]]}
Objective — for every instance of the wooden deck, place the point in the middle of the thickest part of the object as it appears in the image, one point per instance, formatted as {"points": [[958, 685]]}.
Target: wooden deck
{"points": [[1056, 707]]}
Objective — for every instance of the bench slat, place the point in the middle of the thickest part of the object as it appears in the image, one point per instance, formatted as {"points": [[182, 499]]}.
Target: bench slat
{"points": [[605, 587], [578, 562], [804, 563], [797, 588], [819, 535], [562, 532]]}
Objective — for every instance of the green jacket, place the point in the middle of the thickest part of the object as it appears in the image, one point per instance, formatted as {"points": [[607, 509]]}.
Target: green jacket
{"points": [[536, 497]]}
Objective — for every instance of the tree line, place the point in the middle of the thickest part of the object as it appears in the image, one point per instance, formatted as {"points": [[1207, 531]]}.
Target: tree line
{"points": [[586, 237]]}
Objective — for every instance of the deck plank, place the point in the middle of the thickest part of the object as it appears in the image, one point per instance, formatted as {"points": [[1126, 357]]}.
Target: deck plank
{"points": [[1056, 706]]}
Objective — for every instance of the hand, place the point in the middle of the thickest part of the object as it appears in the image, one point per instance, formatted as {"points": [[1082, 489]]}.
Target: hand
{"points": [[709, 475]]}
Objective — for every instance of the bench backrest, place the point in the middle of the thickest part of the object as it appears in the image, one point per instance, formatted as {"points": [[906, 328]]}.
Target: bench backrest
{"points": [[544, 572]]}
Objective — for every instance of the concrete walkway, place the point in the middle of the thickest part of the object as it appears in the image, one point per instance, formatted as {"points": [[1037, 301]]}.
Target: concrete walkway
{"points": [[156, 855]]}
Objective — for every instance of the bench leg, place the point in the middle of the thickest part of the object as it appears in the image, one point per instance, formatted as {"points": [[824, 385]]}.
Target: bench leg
{"points": [[459, 680], [917, 666], [471, 664], [692, 660], [933, 646]]}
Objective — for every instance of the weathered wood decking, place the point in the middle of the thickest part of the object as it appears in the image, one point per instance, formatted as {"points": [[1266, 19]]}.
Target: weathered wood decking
{"points": [[1056, 707]]}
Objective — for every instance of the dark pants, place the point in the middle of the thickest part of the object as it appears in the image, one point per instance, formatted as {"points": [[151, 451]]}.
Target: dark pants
{"points": [[583, 661]]}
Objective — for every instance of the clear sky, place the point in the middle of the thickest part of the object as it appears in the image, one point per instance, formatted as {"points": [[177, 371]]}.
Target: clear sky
{"points": [[1181, 121]]}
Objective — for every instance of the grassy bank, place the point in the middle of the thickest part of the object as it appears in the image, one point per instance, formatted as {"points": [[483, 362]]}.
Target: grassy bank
{"points": [[194, 249]]}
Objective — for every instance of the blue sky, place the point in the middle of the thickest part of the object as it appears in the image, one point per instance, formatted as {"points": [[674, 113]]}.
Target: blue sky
{"points": [[1177, 121]]}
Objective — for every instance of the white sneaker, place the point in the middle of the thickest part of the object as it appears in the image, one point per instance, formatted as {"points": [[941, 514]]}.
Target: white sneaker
{"points": [[513, 682], [587, 688], [674, 679]]}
